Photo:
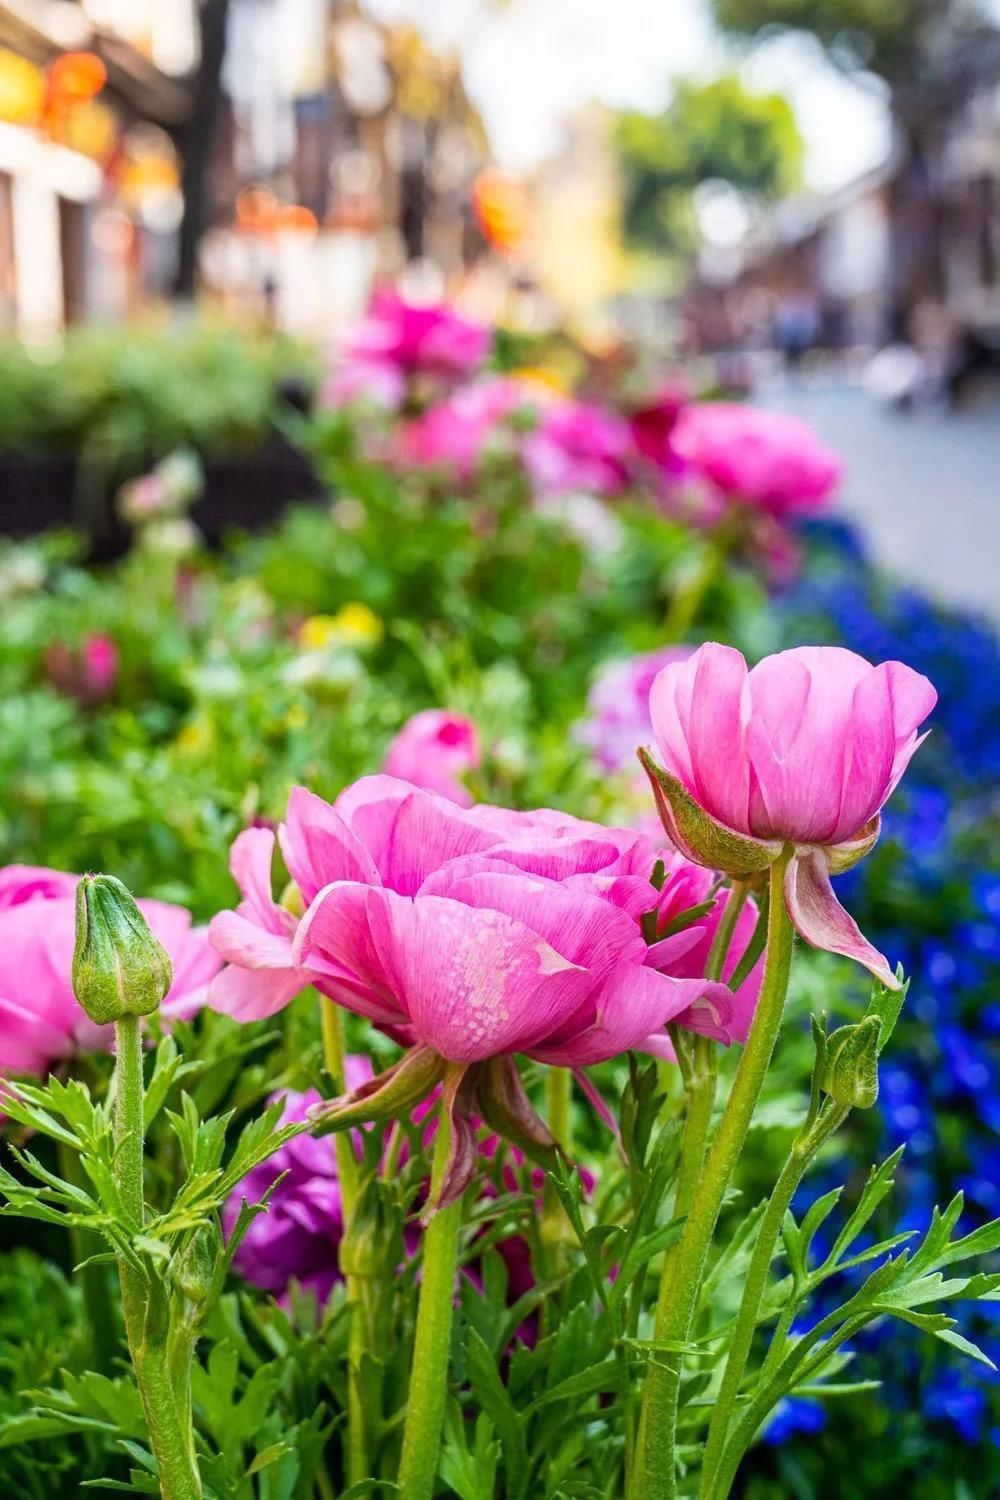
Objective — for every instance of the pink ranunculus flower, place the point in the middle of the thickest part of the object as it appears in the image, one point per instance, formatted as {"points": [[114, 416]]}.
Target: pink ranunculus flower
{"points": [[457, 432], [40, 1021], [652, 427], [434, 750], [429, 338], [469, 934], [578, 446], [617, 720], [763, 458], [88, 672], [802, 751]]}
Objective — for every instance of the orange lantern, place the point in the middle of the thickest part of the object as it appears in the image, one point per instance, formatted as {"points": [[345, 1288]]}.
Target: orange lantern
{"points": [[256, 210], [500, 205], [295, 218], [77, 76]]}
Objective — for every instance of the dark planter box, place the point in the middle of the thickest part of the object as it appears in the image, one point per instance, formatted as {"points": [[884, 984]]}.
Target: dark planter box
{"points": [[245, 491]]}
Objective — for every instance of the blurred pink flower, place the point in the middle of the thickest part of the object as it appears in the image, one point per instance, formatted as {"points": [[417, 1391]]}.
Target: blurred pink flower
{"points": [[40, 1021], [434, 749], [763, 458], [456, 433], [803, 750], [617, 720], [652, 427], [431, 338], [88, 672], [398, 339], [578, 446]]}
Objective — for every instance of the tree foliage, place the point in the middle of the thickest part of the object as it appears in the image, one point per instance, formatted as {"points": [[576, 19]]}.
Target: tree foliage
{"points": [[714, 131]]}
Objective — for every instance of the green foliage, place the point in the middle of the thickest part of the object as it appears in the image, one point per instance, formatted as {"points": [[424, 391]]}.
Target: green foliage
{"points": [[717, 131], [123, 398], [887, 37]]}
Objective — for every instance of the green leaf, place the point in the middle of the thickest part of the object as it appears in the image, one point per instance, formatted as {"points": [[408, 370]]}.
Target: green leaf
{"points": [[595, 1381], [964, 1345], [493, 1399]]}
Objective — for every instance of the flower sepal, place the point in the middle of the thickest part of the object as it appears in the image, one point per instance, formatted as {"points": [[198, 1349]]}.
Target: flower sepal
{"points": [[698, 835]]}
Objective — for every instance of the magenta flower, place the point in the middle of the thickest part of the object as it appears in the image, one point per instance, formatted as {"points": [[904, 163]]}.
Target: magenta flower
{"points": [[578, 447], [618, 707], [457, 432], [468, 934], [434, 750], [88, 672], [298, 1238], [804, 750], [763, 458], [40, 1021], [551, 904], [652, 427]]}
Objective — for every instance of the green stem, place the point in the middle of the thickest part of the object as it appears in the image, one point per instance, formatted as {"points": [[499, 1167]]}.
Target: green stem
{"points": [[335, 1062], [102, 1320], [804, 1148], [799, 1372], [689, 595], [698, 1059], [555, 1231], [144, 1310], [558, 1097], [128, 1133], [700, 1072], [680, 1283], [429, 1372], [726, 930]]}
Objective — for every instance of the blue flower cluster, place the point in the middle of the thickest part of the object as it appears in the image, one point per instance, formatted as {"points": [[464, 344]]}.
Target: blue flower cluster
{"points": [[929, 897]]}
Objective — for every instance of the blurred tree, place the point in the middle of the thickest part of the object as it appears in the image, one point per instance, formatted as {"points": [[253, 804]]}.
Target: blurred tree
{"points": [[931, 56], [717, 131], [199, 139]]}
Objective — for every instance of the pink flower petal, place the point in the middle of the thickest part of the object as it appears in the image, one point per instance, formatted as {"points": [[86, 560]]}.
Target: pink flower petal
{"points": [[818, 916], [319, 847], [631, 1005]]}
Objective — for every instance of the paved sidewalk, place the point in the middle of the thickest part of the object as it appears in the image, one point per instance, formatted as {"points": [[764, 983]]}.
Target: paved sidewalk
{"points": [[925, 487]]}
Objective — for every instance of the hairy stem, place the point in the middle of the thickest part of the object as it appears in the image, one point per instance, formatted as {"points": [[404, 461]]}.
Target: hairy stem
{"points": [[429, 1372], [358, 1419], [804, 1148], [680, 1284], [144, 1304]]}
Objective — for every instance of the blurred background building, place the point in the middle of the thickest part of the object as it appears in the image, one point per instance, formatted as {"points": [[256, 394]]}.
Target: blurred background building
{"points": [[741, 175]]}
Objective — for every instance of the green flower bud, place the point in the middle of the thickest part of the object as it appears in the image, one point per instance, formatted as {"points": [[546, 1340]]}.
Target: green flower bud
{"points": [[374, 1239], [850, 1075], [196, 1263], [119, 968]]}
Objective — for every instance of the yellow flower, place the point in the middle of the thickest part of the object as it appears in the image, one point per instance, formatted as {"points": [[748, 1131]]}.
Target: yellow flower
{"points": [[544, 377], [353, 625], [194, 737], [296, 717]]}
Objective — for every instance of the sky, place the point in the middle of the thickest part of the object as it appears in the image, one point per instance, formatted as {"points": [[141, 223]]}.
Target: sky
{"points": [[528, 63]]}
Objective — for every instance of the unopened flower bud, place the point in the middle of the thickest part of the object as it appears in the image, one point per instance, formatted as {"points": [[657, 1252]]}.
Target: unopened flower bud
{"points": [[373, 1238], [196, 1264], [850, 1076], [119, 968]]}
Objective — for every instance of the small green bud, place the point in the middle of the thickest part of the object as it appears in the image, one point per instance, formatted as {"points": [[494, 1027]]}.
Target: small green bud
{"points": [[374, 1237], [850, 1075], [196, 1263], [119, 968]]}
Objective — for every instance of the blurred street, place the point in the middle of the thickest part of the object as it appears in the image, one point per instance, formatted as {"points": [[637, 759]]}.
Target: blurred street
{"points": [[925, 487]]}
